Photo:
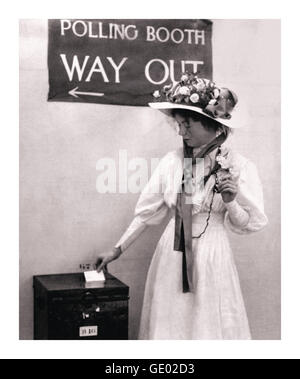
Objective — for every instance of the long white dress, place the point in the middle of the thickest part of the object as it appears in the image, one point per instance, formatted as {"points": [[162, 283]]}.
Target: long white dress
{"points": [[215, 310]]}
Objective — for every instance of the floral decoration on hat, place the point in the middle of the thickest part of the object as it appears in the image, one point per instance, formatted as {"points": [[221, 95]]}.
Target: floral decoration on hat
{"points": [[192, 90]]}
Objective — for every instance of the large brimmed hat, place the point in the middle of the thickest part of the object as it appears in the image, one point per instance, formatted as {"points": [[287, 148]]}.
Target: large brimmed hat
{"points": [[198, 95]]}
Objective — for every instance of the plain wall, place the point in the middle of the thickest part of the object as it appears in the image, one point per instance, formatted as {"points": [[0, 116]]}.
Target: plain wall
{"points": [[64, 221]]}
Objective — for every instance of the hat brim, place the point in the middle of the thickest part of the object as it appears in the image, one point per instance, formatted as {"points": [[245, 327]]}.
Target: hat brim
{"points": [[166, 108]]}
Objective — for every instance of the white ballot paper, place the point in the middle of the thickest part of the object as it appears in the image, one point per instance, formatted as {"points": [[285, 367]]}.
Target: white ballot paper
{"points": [[94, 276]]}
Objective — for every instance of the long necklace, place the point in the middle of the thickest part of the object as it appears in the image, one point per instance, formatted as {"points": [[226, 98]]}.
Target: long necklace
{"points": [[215, 190]]}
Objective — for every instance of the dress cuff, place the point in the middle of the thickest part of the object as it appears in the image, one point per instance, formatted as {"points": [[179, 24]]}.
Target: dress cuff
{"points": [[237, 215]]}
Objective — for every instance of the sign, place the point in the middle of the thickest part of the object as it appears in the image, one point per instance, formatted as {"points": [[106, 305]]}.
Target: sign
{"points": [[88, 331], [124, 61]]}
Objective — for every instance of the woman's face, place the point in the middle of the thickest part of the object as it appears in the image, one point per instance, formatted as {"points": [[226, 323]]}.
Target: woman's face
{"points": [[193, 132]]}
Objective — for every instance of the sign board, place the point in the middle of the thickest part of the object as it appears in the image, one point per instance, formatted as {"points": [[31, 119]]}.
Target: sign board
{"points": [[124, 61]]}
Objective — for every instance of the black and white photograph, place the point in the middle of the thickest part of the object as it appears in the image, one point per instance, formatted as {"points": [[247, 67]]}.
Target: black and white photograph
{"points": [[150, 171]]}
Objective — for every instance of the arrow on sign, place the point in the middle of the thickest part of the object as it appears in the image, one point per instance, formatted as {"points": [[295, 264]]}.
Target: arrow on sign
{"points": [[74, 93]]}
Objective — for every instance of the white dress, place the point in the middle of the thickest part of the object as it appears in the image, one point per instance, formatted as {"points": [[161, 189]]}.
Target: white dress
{"points": [[215, 310]]}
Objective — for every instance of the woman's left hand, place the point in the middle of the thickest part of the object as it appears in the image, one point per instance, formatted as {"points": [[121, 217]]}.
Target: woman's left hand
{"points": [[227, 187]]}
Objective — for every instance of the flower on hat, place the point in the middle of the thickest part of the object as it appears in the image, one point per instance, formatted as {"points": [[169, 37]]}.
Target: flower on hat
{"points": [[156, 94], [200, 86], [184, 91], [216, 93], [194, 97], [184, 78]]}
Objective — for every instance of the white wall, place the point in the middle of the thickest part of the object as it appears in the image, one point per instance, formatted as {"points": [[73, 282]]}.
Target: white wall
{"points": [[64, 221]]}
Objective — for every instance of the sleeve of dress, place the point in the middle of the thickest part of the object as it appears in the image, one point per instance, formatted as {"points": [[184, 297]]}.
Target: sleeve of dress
{"points": [[249, 199], [150, 209]]}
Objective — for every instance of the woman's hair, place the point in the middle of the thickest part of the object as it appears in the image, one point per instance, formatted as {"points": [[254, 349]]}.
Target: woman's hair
{"points": [[207, 122]]}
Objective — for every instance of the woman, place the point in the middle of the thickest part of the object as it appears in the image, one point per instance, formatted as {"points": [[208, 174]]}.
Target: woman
{"points": [[192, 289]]}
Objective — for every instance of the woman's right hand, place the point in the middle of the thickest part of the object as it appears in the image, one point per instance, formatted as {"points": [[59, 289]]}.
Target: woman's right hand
{"points": [[107, 257]]}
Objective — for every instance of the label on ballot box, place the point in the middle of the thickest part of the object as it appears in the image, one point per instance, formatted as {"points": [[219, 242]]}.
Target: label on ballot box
{"points": [[88, 331]]}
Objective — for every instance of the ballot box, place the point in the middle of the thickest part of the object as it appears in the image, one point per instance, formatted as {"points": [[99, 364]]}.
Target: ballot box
{"points": [[66, 307]]}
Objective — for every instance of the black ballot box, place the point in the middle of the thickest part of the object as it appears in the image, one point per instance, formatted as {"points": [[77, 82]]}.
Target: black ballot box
{"points": [[68, 308]]}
